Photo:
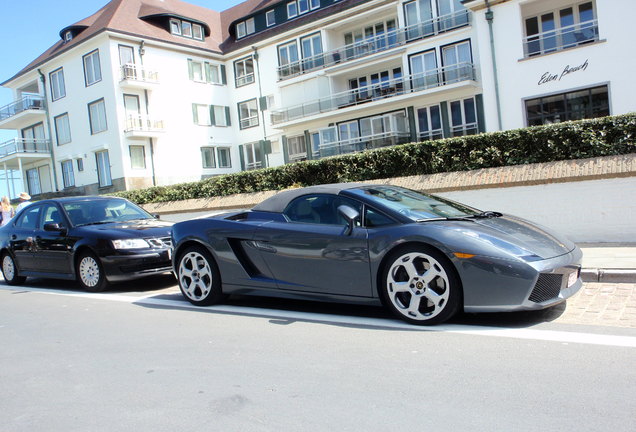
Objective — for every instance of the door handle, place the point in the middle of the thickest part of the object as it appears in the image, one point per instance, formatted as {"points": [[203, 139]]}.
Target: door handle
{"points": [[13, 237], [263, 246]]}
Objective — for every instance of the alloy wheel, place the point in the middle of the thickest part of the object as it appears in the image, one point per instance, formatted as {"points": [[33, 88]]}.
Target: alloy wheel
{"points": [[195, 276], [8, 268], [89, 271]]}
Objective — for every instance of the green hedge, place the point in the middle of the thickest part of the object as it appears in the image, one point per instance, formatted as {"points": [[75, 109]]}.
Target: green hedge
{"points": [[570, 140]]}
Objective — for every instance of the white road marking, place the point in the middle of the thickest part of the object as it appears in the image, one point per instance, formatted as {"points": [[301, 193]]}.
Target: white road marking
{"points": [[542, 335]]}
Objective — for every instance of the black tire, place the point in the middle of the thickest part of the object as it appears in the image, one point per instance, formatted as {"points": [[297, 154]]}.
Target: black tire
{"points": [[420, 285], [10, 270], [198, 276], [90, 272]]}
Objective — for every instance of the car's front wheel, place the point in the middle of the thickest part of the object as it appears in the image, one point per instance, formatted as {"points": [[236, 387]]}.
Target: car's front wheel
{"points": [[90, 273], [199, 278], [10, 270], [421, 286]]}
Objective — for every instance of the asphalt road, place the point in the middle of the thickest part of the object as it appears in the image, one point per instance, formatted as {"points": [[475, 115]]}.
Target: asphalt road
{"points": [[141, 358]]}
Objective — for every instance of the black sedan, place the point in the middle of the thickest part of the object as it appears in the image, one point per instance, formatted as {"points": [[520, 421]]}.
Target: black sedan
{"points": [[95, 240], [422, 256]]}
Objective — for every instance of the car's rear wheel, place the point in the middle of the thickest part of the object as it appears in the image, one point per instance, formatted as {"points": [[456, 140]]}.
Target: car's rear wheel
{"points": [[199, 278], [90, 273], [420, 285], [10, 270]]}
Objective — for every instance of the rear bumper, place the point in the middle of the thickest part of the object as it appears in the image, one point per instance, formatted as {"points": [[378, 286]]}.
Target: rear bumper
{"points": [[137, 264]]}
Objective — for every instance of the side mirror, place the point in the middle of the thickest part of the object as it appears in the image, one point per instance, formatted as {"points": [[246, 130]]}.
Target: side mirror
{"points": [[350, 214], [54, 227], [156, 215]]}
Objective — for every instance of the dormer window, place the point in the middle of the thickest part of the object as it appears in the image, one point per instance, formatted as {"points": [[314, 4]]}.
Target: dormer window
{"points": [[68, 36], [245, 28], [300, 7], [186, 29]]}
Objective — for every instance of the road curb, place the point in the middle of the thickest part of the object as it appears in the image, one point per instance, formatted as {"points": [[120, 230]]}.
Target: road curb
{"points": [[608, 275]]}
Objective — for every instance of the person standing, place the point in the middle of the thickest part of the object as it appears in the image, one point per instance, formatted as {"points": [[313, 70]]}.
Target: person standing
{"points": [[7, 211], [25, 200]]}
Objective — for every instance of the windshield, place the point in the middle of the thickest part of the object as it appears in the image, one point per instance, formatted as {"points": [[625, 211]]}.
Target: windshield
{"points": [[414, 205], [98, 211]]}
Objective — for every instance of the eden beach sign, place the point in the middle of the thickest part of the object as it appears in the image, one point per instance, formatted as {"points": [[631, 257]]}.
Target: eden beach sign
{"points": [[549, 76]]}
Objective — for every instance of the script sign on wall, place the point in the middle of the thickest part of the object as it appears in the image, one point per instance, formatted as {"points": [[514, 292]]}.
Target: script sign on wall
{"points": [[549, 76]]}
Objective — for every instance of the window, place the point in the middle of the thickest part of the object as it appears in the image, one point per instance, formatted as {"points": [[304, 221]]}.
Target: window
{"points": [[80, 165], [244, 71], [67, 174], [92, 68], [429, 121], [574, 105], [225, 160], [211, 115], [33, 181], [68, 36], [288, 59], [463, 117], [62, 129], [201, 114], [314, 4], [220, 115], [319, 209], [137, 157], [29, 218], [300, 7], [373, 218], [58, 91], [270, 18], [205, 72], [245, 28], [51, 214], [186, 29], [253, 156], [103, 169], [370, 39], [292, 9], [196, 71], [560, 29], [297, 148], [457, 62], [311, 51], [424, 70], [207, 157], [248, 114], [97, 116]]}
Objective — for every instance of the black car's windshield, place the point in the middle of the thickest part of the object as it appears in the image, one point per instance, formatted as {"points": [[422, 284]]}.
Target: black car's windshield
{"points": [[415, 205], [98, 211]]}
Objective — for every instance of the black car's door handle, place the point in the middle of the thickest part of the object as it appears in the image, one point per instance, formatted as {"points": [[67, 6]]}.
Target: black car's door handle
{"points": [[263, 246]]}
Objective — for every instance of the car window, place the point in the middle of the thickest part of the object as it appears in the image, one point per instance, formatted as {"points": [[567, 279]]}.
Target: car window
{"points": [[29, 217], [319, 209], [102, 211], [374, 219], [51, 214]]}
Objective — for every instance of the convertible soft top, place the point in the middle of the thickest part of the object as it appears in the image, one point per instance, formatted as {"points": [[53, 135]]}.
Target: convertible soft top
{"points": [[279, 202]]}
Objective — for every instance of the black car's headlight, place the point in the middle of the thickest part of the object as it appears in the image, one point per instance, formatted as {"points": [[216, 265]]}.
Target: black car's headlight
{"points": [[130, 244]]}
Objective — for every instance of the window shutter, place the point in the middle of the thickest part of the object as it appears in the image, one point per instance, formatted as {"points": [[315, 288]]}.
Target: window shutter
{"points": [[263, 146], [285, 150], [242, 157], [190, 72], [223, 76], [212, 116], [263, 102], [208, 72], [227, 116], [195, 114]]}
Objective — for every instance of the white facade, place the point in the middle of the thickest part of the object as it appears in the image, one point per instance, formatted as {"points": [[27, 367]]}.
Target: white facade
{"points": [[374, 74]]}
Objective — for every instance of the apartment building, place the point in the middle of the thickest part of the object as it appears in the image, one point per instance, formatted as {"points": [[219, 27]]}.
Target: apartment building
{"points": [[156, 92]]}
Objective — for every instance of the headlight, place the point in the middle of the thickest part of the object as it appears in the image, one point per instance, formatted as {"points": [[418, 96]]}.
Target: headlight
{"points": [[130, 244]]}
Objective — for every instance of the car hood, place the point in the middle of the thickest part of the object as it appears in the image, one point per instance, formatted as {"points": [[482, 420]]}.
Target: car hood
{"points": [[132, 228], [520, 237]]}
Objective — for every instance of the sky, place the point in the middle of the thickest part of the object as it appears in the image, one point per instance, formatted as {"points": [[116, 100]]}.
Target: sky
{"points": [[30, 27]]}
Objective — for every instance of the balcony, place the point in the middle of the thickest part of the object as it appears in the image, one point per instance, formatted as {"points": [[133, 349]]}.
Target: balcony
{"points": [[561, 38], [20, 148], [23, 112], [381, 91], [136, 77], [359, 144], [143, 127], [376, 44]]}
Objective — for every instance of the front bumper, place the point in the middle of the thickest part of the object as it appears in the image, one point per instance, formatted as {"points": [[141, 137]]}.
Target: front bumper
{"points": [[135, 264]]}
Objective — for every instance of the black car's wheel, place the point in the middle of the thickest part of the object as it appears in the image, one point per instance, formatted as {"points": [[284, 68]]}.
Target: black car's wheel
{"points": [[199, 278], [10, 270], [90, 273], [420, 285]]}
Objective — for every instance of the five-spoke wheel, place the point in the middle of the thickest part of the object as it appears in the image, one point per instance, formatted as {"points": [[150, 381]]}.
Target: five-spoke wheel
{"points": [[420, 286], [198, 276]]}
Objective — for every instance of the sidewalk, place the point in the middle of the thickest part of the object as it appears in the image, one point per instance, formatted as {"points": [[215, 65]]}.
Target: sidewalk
{"points": [[609, 262]]}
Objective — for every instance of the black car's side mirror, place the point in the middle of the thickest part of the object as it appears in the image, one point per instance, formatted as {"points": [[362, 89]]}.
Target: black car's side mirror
{"points": [[156, 215], [350, 214], [54, 227]]}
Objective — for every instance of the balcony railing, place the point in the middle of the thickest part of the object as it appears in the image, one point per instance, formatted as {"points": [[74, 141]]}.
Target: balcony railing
{"points": [[244, 80], [133, 72], [359, 144], [561, 38], [381, 90], [249, 122], [383, 42], [253, 165], [23, 145], [143, 124], [30, 102], [464, 129]]}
